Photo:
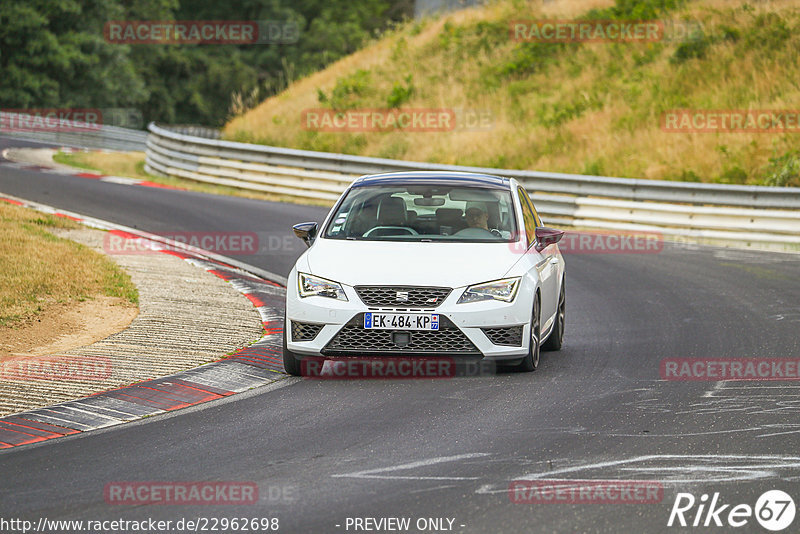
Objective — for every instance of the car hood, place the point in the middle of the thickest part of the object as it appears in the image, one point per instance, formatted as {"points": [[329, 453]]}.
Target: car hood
{"points": [[394, 263]]}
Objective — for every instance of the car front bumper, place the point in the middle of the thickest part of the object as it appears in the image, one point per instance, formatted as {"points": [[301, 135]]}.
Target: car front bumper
{"points": [[340, 333]]}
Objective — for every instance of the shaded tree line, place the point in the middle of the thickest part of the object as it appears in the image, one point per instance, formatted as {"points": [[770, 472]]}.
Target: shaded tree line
{"points": [[53, 53]]}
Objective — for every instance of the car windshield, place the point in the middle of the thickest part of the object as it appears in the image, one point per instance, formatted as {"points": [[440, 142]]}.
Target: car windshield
{"points": [[425, 213]]}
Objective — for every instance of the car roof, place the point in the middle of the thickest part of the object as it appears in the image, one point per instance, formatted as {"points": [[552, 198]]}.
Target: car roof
{"points": [[442, 178]]}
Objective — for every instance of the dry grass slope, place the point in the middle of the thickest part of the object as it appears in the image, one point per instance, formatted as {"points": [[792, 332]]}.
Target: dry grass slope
{"points": [[591, 108], [38, 269]]}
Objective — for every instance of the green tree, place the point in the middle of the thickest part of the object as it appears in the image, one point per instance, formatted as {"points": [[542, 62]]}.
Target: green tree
{"points": [[53, 53]]}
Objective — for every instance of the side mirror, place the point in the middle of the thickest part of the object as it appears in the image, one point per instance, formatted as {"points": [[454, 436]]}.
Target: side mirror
{"points": [[547, 236], [306, 231]]}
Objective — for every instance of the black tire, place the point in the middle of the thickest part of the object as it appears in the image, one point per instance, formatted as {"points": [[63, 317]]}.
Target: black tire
{"points": [[291, 363], [531, 361], [556, 339]]}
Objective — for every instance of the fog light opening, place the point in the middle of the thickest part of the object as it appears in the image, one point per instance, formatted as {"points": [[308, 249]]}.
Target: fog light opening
{"points": [[401, 339]]}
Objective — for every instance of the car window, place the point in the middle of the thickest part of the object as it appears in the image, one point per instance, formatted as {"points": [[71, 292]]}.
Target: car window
{"points": [[528, 216], [424, 213], [533, 208]]}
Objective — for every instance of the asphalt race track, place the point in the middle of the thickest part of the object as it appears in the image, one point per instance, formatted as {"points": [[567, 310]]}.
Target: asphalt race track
{"points": [[325, 451]]}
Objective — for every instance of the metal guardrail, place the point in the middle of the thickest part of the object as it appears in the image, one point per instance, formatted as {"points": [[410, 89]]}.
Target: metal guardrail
{"points": [[194, 130], [727, 213], [102, 137]]}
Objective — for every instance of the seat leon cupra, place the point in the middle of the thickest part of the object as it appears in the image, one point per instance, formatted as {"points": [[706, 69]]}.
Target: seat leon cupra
{"points": [[427, 264]]}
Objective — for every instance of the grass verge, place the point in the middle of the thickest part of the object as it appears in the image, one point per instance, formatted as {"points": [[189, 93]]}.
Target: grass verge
{"points": [[131, 165], [38, 269]]}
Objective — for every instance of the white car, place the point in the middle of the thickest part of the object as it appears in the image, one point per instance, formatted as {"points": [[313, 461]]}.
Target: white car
{"points": [[427, 264]]}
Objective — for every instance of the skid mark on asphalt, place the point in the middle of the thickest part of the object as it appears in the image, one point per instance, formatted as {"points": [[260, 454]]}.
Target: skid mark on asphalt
{"points": [[684, 468], [669, 470], [387, 473], [651, 435], [752, 256], [745, 397]]}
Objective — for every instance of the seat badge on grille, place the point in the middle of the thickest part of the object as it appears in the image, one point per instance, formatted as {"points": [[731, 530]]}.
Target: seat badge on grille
{"points": [[402, 296], [432, 300]]}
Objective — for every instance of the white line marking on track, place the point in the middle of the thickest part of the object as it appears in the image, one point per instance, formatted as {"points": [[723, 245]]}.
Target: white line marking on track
{"points": [[652, 435], [435, 488], [372, 473], [717, 387], [709, 468], [120, 180], [702, 463]]}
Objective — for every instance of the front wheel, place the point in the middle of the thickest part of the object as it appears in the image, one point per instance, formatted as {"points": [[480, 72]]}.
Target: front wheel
{"points": [[291, 363], [531, 361], [556, 339]]}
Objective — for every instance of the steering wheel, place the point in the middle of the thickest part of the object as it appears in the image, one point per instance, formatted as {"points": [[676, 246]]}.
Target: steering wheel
{"points": [[393, 230]]}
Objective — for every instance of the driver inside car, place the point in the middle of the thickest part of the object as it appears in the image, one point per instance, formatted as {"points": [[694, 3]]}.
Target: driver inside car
{"points": [[477, 215]]}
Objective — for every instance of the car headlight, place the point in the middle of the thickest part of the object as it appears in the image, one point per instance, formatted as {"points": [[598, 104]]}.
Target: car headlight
{"points": [[309, 285], [505, 290]]}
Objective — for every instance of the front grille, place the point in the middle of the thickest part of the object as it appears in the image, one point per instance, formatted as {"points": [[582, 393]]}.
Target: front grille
{"points": [[355, 340], [304, 331], [402, 296], [510, 335]]}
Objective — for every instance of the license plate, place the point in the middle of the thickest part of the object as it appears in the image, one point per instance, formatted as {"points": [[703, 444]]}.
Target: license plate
{"points": [[401, 321]]}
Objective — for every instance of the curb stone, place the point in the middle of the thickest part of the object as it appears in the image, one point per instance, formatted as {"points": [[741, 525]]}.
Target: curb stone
{"points": [[256, 365], [56, 168]]}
